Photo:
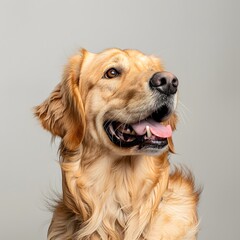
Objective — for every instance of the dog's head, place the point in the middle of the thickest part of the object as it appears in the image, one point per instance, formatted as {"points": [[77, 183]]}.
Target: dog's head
{"points": [[121, 100]]}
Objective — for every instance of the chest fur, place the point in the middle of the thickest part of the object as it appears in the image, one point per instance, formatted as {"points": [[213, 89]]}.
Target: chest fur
{"points": [[137, 208]]}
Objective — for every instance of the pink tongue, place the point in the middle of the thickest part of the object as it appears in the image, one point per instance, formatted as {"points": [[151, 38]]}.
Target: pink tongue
{"points": [[156, 128]]}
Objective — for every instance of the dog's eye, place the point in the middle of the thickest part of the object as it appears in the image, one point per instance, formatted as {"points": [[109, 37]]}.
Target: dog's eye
{"points": [[111, 73]]}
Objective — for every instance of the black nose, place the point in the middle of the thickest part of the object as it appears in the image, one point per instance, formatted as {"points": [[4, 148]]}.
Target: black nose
{"points": [[164, 82]]}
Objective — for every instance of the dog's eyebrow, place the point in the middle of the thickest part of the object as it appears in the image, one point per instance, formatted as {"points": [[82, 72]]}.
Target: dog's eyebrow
{"points": [[120, 62], [117, 58]]}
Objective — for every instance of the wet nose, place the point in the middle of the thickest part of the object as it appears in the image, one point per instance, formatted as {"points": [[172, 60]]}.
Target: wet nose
{"points": [[164, 82]]}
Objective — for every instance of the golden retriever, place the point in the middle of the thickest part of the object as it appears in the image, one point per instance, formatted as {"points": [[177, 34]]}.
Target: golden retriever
{"points": [[115, 112]]}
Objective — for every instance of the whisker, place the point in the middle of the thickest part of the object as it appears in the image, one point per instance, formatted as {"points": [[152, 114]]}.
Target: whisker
{"points": [[127, 120], [183, 105], [140, 117], [182, 117], [182, 112]]}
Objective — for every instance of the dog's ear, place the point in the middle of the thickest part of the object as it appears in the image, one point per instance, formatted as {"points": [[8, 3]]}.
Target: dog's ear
{"points": [[172, 122], [62, 113]]}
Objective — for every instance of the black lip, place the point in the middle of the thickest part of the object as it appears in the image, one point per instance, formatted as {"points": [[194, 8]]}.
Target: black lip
{"points": [[154, 144], [139, 141], [118, 141]]}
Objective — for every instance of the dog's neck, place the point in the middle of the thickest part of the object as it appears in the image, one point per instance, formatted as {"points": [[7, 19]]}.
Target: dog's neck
{"points": [[98, 183]]}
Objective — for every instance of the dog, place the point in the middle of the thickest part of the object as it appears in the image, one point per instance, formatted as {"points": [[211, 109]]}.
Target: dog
{"points": [[115, 112]]}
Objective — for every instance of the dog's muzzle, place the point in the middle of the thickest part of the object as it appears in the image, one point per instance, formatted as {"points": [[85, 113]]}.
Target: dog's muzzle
{"points": [[150, 132]]}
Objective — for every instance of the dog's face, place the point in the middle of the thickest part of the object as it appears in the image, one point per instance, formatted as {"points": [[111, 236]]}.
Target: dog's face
{"points": [[120, 99]]}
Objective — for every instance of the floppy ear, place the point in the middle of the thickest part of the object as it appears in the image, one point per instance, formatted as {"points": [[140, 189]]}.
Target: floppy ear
{"points": [[62, 113]]}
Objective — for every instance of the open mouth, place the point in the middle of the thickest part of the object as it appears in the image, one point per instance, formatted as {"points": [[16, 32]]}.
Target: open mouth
{"points": [[146, 133]]}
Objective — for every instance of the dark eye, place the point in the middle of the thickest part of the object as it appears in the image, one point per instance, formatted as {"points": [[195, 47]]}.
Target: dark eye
{"points": [[111, 73]]}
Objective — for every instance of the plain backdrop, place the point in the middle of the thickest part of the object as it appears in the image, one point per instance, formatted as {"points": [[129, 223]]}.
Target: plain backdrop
{"points": [[197, 40]]}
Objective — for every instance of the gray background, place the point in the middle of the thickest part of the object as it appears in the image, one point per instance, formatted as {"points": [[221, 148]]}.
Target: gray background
{"points": [[198, 41]]}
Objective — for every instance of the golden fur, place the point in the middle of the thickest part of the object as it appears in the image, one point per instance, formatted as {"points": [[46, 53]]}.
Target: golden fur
{"points": [[111, 192]]}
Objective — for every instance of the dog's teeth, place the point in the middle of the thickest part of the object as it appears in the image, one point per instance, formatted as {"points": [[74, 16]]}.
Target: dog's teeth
{"points": [[127, 130], [149, 134]]}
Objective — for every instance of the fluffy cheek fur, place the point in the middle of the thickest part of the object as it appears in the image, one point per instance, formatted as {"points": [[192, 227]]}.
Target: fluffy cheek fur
{"points": [[102, 107]]}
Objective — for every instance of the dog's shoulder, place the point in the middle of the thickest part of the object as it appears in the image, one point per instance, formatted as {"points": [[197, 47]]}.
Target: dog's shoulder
{"points": [[182, 195], [177, 213], [182, 186]]}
